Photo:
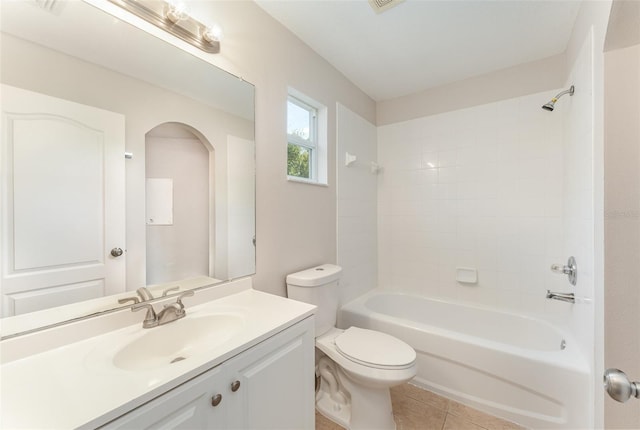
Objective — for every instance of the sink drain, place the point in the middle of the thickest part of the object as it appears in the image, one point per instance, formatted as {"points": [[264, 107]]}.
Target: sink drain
{"points": [[175, 360]]}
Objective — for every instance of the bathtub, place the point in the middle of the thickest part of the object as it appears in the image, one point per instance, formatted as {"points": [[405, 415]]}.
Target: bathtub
{"points": [[517, 368]]}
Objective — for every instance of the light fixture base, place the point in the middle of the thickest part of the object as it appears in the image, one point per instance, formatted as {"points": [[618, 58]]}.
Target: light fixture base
{"points": [[160, 14]]}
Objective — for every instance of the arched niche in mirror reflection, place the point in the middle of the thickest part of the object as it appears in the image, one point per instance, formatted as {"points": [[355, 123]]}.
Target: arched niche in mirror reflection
{"points": [[180, 220]]}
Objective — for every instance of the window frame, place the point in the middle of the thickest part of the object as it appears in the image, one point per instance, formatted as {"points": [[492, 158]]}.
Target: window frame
{"points": [[311, 144]]}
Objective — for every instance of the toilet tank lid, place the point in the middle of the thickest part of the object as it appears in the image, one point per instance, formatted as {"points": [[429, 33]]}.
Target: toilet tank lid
{"points": [[315, 276]]}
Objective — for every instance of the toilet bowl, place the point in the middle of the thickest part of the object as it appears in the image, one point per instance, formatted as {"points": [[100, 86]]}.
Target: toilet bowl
{"points": [[367, 363], [357, 367]]}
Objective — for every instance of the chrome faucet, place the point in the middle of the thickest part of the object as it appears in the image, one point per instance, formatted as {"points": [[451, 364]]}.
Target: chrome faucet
{"points": [[174, 311], [563, 297], [151, 319], [171, 312]]}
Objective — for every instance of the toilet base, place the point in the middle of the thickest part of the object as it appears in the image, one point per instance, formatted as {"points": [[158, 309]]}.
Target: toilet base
{"points": [[337, 412], [351, 405]]}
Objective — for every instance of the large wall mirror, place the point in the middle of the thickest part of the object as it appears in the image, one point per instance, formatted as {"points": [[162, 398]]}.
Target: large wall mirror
{"points": [[126, 163]]}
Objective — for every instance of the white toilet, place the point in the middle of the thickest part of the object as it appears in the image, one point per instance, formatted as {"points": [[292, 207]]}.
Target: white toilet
{"points": [[356, 366]]}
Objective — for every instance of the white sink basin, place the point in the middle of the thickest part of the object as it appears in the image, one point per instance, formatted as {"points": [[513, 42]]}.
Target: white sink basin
{"points": [[176, 341]]}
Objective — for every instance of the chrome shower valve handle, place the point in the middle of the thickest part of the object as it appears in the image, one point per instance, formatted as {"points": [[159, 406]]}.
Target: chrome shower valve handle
{"points": [[559, 268], [571, 270]]}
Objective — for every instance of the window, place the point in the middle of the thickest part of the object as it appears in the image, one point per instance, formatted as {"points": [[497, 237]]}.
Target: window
{"points": [[306, 150]]}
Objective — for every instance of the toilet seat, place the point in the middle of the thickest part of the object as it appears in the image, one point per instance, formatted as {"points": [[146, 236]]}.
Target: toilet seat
{"points": [[366, 374], [374, 349]]}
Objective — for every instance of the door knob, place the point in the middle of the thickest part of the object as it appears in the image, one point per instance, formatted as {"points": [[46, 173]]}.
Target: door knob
{"points": [[116, 252], [619, 386]]}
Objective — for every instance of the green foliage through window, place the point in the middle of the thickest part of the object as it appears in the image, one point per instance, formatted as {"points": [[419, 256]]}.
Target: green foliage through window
{"points": [[298, 161]]}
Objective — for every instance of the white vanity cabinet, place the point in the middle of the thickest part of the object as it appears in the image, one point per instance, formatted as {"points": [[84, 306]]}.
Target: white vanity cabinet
{"points": [[268, 386]]}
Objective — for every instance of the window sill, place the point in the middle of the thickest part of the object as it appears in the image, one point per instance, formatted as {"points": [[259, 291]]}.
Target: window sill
{"points": [[306, 181]]}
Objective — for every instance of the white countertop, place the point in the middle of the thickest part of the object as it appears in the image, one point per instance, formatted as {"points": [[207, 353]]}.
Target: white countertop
{"points": [[71, 386]]}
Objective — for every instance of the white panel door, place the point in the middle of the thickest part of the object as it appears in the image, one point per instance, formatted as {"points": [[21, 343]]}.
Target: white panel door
{"points": [[62, 202]]}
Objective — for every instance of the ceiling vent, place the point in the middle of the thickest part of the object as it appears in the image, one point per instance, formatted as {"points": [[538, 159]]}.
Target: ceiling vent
{"points": [[382, 5]]}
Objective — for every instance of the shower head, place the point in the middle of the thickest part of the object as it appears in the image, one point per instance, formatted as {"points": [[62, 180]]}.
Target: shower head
{"points": [[551, 105]]}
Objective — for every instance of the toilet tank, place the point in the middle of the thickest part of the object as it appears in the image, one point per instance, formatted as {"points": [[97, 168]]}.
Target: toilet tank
{"points": [[317, 286]]}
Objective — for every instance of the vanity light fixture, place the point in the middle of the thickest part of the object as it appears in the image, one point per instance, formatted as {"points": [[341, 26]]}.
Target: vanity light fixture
{"points": [[172, 17]]}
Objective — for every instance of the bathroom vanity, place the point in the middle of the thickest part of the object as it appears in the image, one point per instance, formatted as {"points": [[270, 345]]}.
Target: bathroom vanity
{"points": [[243, 359], [262, 387]]}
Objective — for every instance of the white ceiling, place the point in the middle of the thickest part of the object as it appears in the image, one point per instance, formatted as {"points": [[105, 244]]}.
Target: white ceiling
{"points": [[420, 44]]}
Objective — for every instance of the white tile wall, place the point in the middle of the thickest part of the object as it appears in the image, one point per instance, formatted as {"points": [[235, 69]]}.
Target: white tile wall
{"points": [[578, 179], [506, 188], [357, 205], [480, 187]]}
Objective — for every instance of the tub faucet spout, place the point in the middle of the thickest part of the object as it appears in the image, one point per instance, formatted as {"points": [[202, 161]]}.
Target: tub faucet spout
{"points": [[563, 297]]}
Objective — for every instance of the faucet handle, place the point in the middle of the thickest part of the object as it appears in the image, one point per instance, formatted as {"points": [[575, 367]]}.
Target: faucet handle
{"points": [[168, 290], [150, 320], [145, 294], [135, 300], [185, 294]]}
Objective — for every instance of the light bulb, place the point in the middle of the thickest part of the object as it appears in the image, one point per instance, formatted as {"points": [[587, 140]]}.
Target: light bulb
{"points": [[177, 11], [212, 33]]}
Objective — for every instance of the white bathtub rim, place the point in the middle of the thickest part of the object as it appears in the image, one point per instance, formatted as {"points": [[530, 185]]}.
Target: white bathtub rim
{"points": [[560, 327], [450, 346], [571, 357]]}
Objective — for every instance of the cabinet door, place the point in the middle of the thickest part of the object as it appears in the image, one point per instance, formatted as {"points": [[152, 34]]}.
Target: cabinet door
{"points": [[185, 407], [276, 379]]}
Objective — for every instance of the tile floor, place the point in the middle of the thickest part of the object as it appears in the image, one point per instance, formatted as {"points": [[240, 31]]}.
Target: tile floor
{"points": [[417, 409]]}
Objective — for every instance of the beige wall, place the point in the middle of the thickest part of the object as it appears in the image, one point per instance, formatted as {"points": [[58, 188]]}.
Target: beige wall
{"points": [[622, 225], [524, 79], [296, 223]]}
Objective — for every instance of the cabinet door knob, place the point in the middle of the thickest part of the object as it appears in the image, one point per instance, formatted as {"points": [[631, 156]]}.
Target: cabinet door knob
{"points": [[215, 400], [235, 385]]}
